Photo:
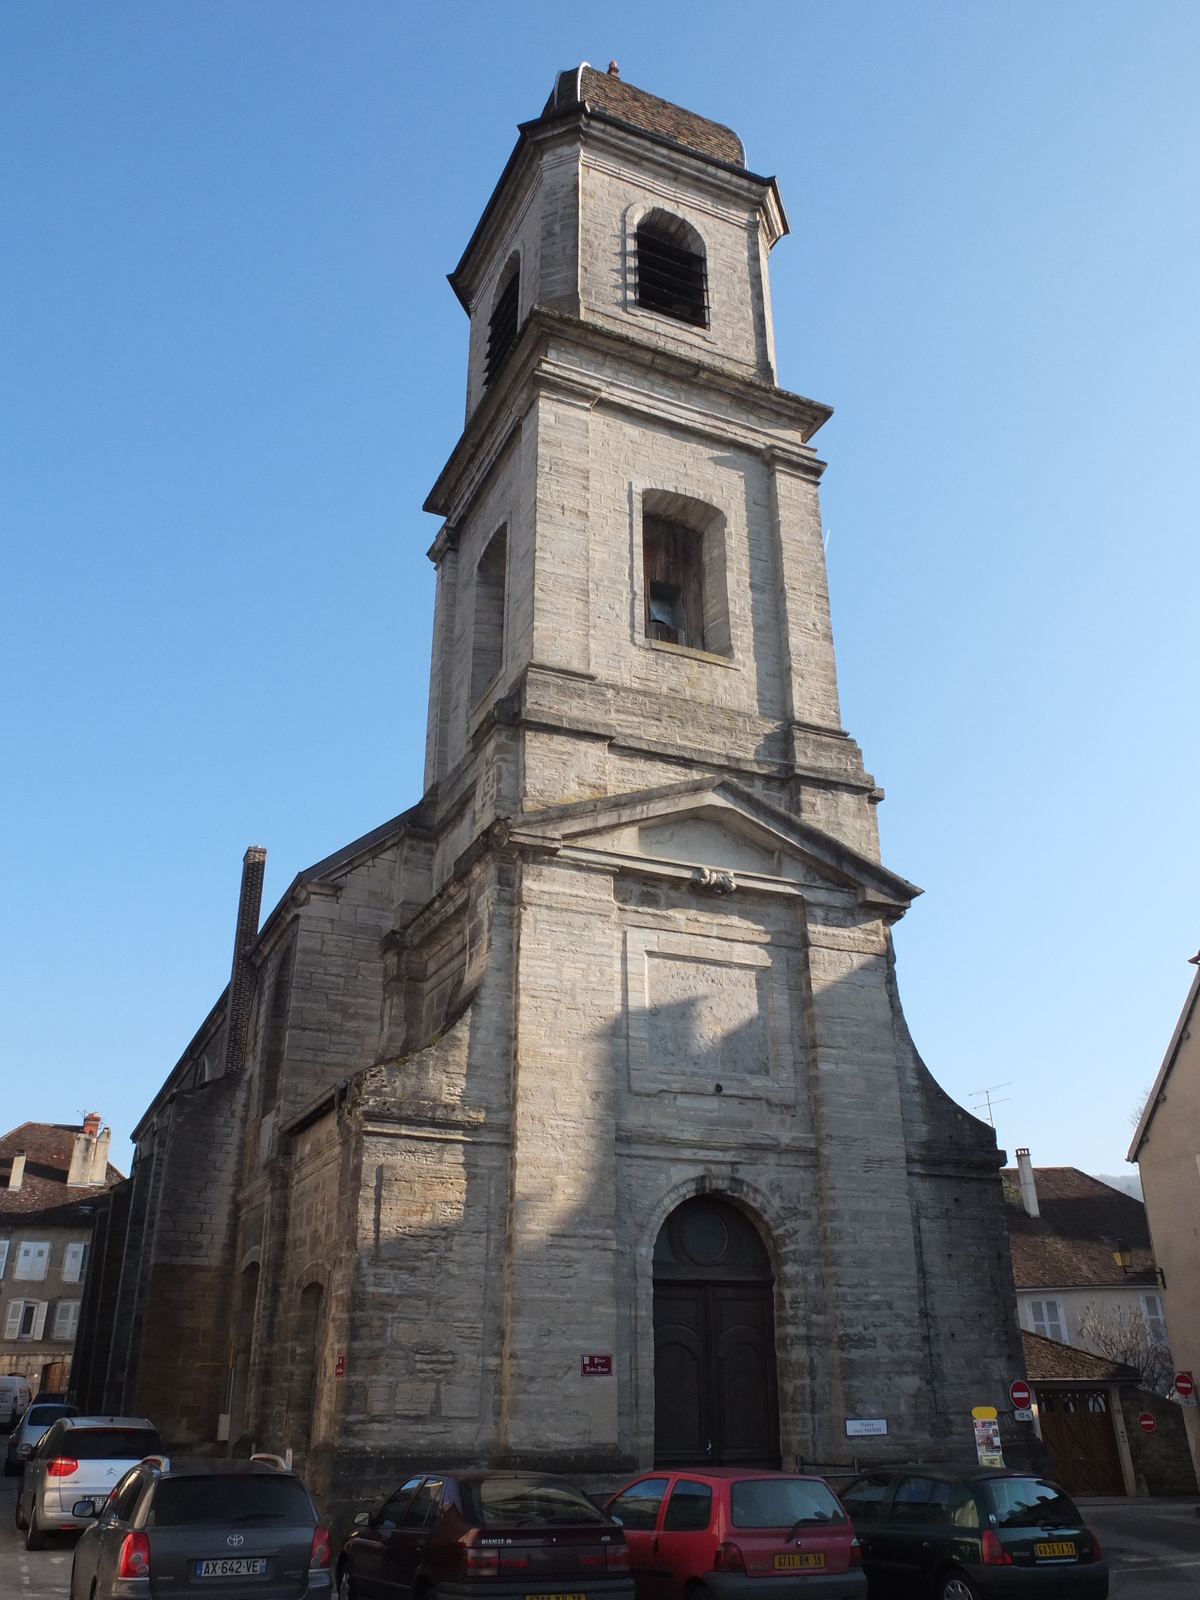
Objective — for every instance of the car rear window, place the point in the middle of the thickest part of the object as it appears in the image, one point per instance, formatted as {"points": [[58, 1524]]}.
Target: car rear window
{"points": [[782, 1503], [105, 1444], [1030, 1503], [43, 1416], [518, 1502], [244, 1498]]}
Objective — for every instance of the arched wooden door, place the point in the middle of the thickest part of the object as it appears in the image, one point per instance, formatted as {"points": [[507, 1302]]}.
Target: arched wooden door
{"points": [[715, 1397]]}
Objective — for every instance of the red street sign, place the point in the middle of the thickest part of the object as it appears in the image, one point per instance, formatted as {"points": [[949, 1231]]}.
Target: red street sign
{"points": [[595, 1366], [1184, 1384], [1020, 1394], [1146, 1422], [339, 1366]]}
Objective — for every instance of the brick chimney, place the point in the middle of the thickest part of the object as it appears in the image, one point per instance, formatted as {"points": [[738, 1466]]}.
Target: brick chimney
{"points": [[17, 1176], [89, 1158], [241, 979], [1025, 1178]]}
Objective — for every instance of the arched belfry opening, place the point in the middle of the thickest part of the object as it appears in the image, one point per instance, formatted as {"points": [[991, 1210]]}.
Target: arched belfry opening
{"points": [[715, 1395]]}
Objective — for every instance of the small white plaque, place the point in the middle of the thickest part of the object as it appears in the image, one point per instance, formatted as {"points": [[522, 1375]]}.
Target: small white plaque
{"points": [[858, 1426], [1023, 1414]]}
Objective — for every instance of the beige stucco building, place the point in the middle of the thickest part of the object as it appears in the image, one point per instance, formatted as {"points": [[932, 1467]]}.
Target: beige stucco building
{"points": [[1166, 1148]]}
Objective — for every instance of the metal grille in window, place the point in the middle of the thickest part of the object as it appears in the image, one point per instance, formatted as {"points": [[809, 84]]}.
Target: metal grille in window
{"points": [[502, 327], [670, 278]]}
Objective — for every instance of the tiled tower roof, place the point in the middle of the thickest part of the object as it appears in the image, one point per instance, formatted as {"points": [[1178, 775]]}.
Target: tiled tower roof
{"points": [[604, 92]]}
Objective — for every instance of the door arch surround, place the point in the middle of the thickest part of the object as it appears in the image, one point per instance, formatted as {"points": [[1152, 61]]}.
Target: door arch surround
{"points": [[716, 1398]]}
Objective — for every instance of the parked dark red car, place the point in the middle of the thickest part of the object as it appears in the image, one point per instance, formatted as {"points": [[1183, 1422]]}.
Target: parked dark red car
{"points": [[728, 1533], [485, 1536]]}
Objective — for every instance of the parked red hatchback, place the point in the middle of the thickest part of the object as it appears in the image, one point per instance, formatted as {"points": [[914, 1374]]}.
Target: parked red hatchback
{"points": [[733, 1534]]}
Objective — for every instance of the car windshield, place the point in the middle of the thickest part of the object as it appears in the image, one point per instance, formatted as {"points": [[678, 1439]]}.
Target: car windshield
{"points": [[43, 1416], [1030, 1503], [109, 1444], [244, 1498], [782, 1503], [518, 1502]]}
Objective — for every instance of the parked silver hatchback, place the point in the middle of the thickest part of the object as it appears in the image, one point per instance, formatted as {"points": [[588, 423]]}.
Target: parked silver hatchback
{"points": [[235, 1528], [78, 1456], [31, 1430]]}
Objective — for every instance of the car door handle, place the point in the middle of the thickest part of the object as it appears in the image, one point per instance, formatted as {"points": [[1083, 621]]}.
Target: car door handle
{"points": [[926, 1544], [654, 1548]]}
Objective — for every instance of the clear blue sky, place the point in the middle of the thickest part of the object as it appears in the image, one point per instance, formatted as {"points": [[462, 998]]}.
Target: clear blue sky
{"points": [[232, 368]]}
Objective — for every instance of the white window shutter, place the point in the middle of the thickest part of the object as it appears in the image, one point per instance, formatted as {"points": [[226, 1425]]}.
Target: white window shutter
{"points": [[32, 1260], [66, 1319], [3, 1256], [39, 1319], [73, 1263], [12, 1323], [1037, 1312]]}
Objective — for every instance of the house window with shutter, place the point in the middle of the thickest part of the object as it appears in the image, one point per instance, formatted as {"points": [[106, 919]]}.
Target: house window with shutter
{"points": [[73, 1263], [4, 1243], [1046, 1318], [26, 1319], [1156, 1323], [672, 570], [66, 1319], [33, 1257]]}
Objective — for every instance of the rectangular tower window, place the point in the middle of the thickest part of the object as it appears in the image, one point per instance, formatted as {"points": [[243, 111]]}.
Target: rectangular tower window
{"points": [[487, 643], [673, 574], [502, 327]]}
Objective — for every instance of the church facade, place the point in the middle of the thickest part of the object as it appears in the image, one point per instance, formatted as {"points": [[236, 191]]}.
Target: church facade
{"points": [[570, 1119]]}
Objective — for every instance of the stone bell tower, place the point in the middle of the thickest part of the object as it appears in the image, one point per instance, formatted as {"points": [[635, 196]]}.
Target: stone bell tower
{"points": [[653, 988]]}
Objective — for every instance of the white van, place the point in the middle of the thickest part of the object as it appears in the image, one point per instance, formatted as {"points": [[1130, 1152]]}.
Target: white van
{"points": [[14, 1398]]}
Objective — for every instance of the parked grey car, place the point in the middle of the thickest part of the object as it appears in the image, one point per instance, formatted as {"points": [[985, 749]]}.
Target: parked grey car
{"points": [[30, 1431], [78, 1456], [248, 1526]]}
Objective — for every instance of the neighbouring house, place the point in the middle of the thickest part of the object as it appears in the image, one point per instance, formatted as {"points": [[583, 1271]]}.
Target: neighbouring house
{"points": [[1082, 1260], [53, 1176], [1166, 1148]]}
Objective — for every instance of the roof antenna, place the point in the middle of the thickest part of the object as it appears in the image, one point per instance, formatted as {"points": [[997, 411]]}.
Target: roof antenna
{"points": [[614, 70]]}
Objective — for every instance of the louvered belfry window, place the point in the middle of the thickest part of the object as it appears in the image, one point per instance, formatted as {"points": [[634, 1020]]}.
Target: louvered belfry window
{"points": [[671, 568], [502, 326], [670, 272]]}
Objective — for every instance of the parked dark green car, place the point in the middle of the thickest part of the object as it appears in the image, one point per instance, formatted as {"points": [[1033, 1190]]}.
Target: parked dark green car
{"points": [[972, 1535]]}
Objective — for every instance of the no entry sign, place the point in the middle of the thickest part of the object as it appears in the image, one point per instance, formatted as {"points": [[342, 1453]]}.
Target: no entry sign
{"points": [[1184, 1384], [1146, 1422], [1020, 1394]]}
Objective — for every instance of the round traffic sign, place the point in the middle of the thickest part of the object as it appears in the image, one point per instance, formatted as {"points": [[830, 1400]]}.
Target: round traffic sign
{"points": [[1184, 1384], [1020, 1394], [1146, 1422]]}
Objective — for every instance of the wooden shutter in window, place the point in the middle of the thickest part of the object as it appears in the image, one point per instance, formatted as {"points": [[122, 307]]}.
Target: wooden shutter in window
{"points": [[12, 1323], [39, 1319]]}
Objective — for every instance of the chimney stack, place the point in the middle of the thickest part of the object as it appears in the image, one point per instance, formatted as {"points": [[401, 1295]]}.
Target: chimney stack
{"points": [[241, 979], [1025, 1178], [89, 1158], [17, 1176]]}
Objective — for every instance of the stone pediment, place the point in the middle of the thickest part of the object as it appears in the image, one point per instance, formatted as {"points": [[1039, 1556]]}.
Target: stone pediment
{"points": [[715, 833]]}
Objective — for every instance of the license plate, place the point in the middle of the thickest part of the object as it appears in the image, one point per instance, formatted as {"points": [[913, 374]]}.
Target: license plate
{"points": [[1056, 1547], [234, 1567], [811, 1558]]}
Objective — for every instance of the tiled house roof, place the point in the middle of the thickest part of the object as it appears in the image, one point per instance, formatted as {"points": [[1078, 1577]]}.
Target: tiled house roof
{"points": [[600, 92], [47, 1147], [1072, 1243], [1046, 1360]]}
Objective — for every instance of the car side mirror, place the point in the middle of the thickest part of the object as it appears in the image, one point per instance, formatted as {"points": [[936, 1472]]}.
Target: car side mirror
{"points": [[362, 1519], [619, 1522], [85, 1508]]}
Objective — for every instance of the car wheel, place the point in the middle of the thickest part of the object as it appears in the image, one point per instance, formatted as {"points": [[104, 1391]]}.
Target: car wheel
{"points": [[21, 1523], [345, 1584], [35, 1539], [954, 1586]]}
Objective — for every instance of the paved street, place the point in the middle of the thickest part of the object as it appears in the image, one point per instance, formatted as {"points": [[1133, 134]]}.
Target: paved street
{"points": [[29, 1575], [1153, 1546]]}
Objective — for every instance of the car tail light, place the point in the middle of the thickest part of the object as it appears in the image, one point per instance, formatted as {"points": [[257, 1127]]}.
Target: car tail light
{"points": [[61, 1467], [617, 1557], [134, 1560], [994, 1553], [482, 1563], [855, 1553], [728, 1558], [1096, 1555], [319, 1556], [513, 1563]]}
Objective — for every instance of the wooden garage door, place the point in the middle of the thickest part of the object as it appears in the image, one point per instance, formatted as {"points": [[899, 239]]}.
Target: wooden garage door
{"points": [[1078, 1432]]}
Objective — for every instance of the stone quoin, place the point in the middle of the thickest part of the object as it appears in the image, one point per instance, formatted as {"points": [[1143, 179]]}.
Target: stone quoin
{"points": [[570, 1119]]}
